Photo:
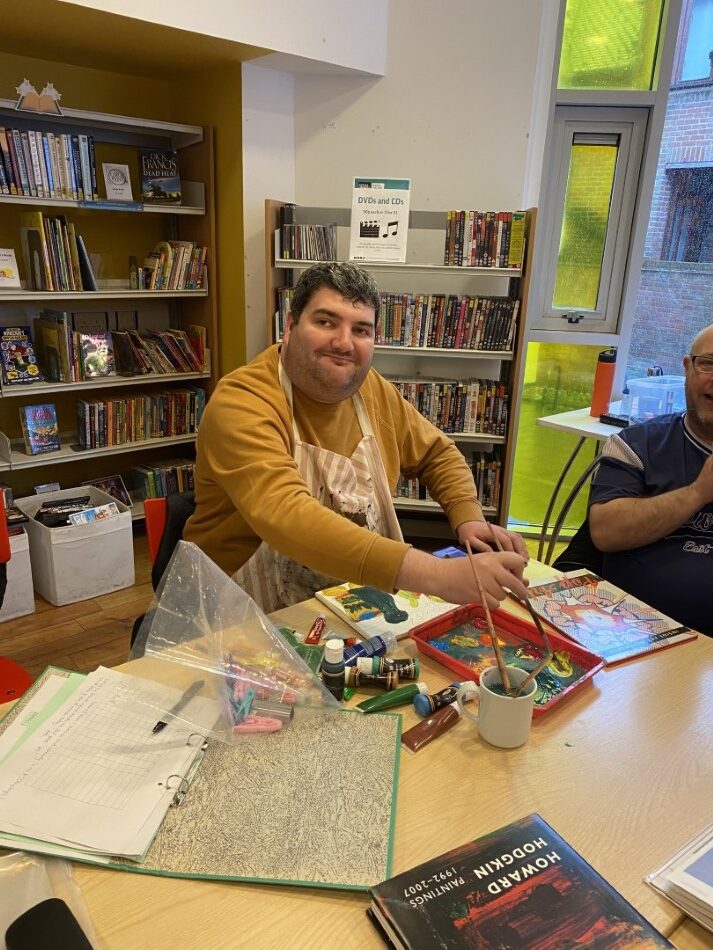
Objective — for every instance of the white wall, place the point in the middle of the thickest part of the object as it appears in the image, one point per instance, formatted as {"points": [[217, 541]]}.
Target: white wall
{"points": [[452, 113], [339, 32], [268, 172]]}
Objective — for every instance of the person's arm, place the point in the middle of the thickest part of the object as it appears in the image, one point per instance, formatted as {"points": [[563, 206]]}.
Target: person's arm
{"points": [[452, 578], [625, 523]]}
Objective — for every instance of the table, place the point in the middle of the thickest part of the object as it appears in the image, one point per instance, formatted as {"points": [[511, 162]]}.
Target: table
{"points": [[622, 770], [577, 422]]}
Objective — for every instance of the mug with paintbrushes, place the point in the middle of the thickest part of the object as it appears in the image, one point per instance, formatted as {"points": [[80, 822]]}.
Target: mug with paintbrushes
{"points": [[503, 719]]}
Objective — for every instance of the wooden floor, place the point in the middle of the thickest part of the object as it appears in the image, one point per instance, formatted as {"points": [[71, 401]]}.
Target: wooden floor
{"points": [[84, 635]]}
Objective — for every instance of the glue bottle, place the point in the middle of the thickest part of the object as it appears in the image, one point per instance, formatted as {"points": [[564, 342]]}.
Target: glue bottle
{"points": [[333, 667], [374, 646], [603, 382]]}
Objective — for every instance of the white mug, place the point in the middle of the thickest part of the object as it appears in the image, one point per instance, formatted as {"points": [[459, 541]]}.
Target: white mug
{"points": [[503, 721]]}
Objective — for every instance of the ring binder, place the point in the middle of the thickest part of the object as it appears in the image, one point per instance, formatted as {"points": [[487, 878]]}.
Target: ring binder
{"points": [[187, 779]]}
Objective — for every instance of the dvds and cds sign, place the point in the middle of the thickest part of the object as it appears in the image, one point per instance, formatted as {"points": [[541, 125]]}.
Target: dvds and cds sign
{"points": [[379, 225]]}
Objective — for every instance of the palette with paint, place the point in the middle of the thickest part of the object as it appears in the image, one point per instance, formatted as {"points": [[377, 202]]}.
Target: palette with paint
{"points": [[460, 641]]}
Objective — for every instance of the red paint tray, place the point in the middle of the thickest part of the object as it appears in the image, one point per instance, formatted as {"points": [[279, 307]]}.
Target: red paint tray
{"points": [[471, 652]]}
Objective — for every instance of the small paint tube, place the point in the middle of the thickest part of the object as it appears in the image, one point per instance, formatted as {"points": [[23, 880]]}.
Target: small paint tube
{"points": [[316, 630], [407, 668], [431, 727], [396, 697], [425, 705], [355, 677]]}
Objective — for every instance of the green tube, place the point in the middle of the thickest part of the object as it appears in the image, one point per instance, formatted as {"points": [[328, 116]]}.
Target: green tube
{"points": [[396, 697]]}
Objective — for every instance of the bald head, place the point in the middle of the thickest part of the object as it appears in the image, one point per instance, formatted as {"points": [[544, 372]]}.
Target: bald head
{"points": [[703, 341]]}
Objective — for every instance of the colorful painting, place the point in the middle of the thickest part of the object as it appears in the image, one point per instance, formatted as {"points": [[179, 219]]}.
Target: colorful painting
{"points": [[371, 611], [603, 618], [469, 643]]}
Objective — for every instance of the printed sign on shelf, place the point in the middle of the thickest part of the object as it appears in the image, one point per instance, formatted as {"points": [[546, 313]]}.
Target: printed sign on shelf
{"points": [[379, 226]]}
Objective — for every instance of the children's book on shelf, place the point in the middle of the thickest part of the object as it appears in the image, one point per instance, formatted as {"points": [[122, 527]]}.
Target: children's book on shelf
{"points": [[603, 618], [9, 274], [519, 886], [39, 428], [159, 176], [96, 355], [373, 612], [17, 356], [687, 878]]}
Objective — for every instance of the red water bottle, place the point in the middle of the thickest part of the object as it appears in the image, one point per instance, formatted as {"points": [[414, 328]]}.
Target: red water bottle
{"points": [[603, 382]]}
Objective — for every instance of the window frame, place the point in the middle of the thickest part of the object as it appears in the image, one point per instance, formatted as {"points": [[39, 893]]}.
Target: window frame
{"points": [[680, 55]]}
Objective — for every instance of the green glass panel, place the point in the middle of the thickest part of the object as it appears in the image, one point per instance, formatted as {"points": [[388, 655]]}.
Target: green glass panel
{"points": [[558, 377], [584, 226], [609, 44]]}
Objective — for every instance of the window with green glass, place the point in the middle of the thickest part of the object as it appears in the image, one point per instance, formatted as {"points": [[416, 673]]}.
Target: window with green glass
{"points": [[558, 377], [610, 44], [584, 223]]}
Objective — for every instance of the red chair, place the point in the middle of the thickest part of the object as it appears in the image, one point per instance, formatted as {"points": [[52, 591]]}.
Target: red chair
{"points": [[155, 514], [14, 680]]}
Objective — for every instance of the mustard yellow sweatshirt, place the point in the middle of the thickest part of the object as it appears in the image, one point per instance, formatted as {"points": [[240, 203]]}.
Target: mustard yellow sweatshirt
{"points": [[248, 488]]}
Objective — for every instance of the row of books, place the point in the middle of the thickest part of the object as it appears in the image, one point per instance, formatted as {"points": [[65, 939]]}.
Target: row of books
{"points": [[141, 416], [451, 322], [56, 257], [164, 478], [485, 239], [308, 242], [63, 355], [38, 164], [487, 474], [448, 321], [474, 405], [175, 265]]}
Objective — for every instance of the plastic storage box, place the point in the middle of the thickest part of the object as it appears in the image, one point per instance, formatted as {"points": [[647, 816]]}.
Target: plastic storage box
{"points": [[20, 595], [655, 396], [78, 562]]}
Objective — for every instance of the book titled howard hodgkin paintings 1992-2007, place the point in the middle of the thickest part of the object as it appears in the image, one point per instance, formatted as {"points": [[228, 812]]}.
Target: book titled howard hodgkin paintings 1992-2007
{"points": [[520, 886]]}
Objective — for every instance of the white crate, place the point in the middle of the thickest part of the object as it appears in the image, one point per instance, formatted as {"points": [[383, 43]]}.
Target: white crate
{"points": [[78, 562], [19, 595]]}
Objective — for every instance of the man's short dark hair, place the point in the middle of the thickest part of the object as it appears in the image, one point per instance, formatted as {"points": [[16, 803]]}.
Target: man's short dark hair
{"points": [[349, 280]]}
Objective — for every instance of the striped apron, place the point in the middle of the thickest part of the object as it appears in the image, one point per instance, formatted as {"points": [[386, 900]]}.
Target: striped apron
{"points": [[355, 487]]}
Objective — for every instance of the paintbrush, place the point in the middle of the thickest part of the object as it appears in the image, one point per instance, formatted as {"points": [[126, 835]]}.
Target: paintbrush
{"points": [[536, 620], [504, 678]]}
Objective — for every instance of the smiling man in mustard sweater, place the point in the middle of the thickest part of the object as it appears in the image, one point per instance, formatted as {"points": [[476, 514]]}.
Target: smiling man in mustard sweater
{"points": [[299, 453]]}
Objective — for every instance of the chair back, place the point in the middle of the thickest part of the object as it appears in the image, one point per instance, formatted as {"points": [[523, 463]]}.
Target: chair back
{"points": [[178, 509]]}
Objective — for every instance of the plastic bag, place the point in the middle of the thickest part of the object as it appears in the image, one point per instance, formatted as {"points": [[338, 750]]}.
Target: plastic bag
{"points": [[207, 638]]}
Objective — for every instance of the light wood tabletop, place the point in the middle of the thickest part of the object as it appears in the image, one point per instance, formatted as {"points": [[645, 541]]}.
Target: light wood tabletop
{"points": [[622, 770]]}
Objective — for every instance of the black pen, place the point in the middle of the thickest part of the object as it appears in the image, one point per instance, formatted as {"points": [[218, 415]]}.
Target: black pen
{"points": [[187, 696]]}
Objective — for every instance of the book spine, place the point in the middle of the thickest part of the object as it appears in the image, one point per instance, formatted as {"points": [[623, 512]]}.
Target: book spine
{"points": [[5, 155], [40, 181], [48, 165], [20, 159], [76, 167], [93, 167]]}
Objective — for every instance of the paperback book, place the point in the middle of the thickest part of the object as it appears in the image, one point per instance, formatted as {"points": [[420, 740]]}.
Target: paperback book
{"points": [[373, 612], [687, 878], [603, 618], [17, 356], [96, 355], [160, 180], [9, 275], [39, 429], [519, 886]]}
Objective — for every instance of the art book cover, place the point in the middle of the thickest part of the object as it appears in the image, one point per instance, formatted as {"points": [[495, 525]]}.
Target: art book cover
{"points": [[97, 355], [160, 179], [372, 612], [17, 356], [603, 618], [687, 878], [39, 428], [519, 886]]}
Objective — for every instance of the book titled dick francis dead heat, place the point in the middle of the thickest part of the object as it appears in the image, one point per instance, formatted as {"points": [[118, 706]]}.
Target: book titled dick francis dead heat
{"points": [[521, 886]]}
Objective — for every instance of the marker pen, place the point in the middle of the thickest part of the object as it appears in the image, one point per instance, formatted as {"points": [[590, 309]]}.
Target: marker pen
{"points": [[397, 697]]}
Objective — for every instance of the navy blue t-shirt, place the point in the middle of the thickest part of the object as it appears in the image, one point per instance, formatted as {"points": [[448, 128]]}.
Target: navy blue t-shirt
{"points": [[674, 574]]}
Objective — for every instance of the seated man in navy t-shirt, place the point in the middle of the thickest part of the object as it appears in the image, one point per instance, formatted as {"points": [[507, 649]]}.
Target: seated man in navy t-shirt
{"points": [[651, 505]]}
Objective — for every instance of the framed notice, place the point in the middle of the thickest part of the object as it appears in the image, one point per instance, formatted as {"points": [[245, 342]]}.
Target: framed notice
{"points": [[379, 226]]}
